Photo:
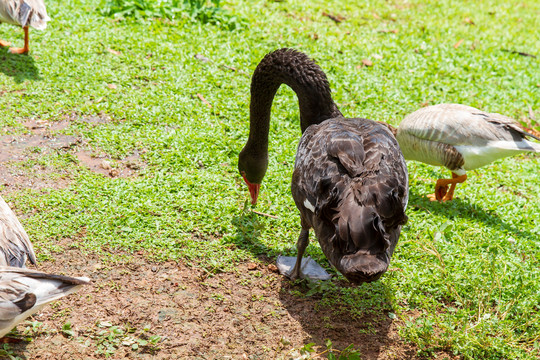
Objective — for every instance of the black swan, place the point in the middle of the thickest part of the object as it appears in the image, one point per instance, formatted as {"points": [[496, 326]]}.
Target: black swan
{"points": [[350, 180]]}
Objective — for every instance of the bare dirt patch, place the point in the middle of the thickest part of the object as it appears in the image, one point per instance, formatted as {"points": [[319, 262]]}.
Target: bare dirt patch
{"points": [[43, 138], [103, 164], [247, 314], [21, 147]]}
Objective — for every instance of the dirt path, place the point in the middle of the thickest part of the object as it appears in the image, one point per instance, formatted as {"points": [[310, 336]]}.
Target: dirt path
{"points": [[249, 314]]}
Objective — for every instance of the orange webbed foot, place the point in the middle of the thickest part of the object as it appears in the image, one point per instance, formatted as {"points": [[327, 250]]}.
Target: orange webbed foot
{"points": [[18, 50], [440, 194], [4, 43]]}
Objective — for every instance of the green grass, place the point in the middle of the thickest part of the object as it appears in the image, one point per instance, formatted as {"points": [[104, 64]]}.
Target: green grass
{"points": [[470, 277]]}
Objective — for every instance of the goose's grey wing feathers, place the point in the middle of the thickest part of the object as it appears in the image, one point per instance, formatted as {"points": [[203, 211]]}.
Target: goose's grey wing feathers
{"points": [[15, 246], [508, 124], [456, 124], [25, 291], [24, 13]]}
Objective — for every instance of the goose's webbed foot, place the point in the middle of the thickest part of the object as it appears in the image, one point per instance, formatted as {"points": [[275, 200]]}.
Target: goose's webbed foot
{"points": [[442, 192]]}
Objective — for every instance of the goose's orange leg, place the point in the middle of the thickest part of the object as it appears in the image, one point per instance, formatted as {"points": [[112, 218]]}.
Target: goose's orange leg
{"points": [[441, 188], [4, 43], [25, 49]]}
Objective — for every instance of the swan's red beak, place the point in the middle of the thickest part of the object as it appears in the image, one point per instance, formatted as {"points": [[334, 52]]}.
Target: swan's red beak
{"points": [[253, 190]]}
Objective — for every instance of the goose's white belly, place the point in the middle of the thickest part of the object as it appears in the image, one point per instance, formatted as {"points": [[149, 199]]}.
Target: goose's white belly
{"points": [[478, 156]]}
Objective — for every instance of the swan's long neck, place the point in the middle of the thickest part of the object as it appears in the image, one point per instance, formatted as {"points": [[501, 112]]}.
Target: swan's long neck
{"points": [[298, 71]]}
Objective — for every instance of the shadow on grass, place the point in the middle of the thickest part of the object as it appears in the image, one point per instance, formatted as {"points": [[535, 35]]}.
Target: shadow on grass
{"points": [[459, 208], [346, 315], [248, 230], [19, 67], [343, 313]]}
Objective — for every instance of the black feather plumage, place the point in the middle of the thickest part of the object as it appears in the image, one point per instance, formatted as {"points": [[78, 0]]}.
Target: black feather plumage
{"points": [[350, 181]]}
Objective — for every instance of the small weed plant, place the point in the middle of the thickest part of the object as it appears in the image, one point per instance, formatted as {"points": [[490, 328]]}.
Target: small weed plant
{"points": [[207, 12]]}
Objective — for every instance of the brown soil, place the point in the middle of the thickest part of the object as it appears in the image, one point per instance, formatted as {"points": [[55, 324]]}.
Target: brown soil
{"points": [[248, 314], [44, 138]]}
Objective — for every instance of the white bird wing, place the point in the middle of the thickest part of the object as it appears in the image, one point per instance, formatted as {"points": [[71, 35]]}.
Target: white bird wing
{"points": [[25, 291], [456, 124], [24, 13]]}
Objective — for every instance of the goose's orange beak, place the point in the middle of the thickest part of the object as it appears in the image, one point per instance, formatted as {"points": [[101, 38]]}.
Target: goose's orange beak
{"points": [[253, 190]]}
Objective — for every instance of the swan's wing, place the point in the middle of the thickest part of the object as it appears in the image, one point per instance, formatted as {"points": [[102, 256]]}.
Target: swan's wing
{"points": [[348, 148], [15, 246]]}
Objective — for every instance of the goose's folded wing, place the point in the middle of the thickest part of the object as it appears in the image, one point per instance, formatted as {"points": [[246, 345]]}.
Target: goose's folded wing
{"points": [[14, 304], [24, 13], [509, 125], [15, 246], [15, 283], [456, 124]]}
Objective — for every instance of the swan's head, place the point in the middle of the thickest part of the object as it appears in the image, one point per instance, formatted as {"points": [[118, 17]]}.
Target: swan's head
{"points": [[366, 237], [252, 168], [364, 266]]}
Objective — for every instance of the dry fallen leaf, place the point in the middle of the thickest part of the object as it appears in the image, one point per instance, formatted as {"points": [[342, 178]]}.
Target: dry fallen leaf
{"points": [[468, 21], [367, 62], [272, 268], [393, 31], [456, 45], [204, 100], [111, 86], [201, 58], [252, 266], [105, 164], [114, 52], [336, 18], [531, 113]]}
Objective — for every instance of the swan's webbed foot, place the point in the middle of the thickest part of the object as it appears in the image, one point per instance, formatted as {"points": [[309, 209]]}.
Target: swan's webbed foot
{"points": [[294, 274]]}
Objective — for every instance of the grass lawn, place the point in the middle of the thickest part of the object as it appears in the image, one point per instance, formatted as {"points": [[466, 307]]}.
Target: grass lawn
{"points": [[150, 115]]}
